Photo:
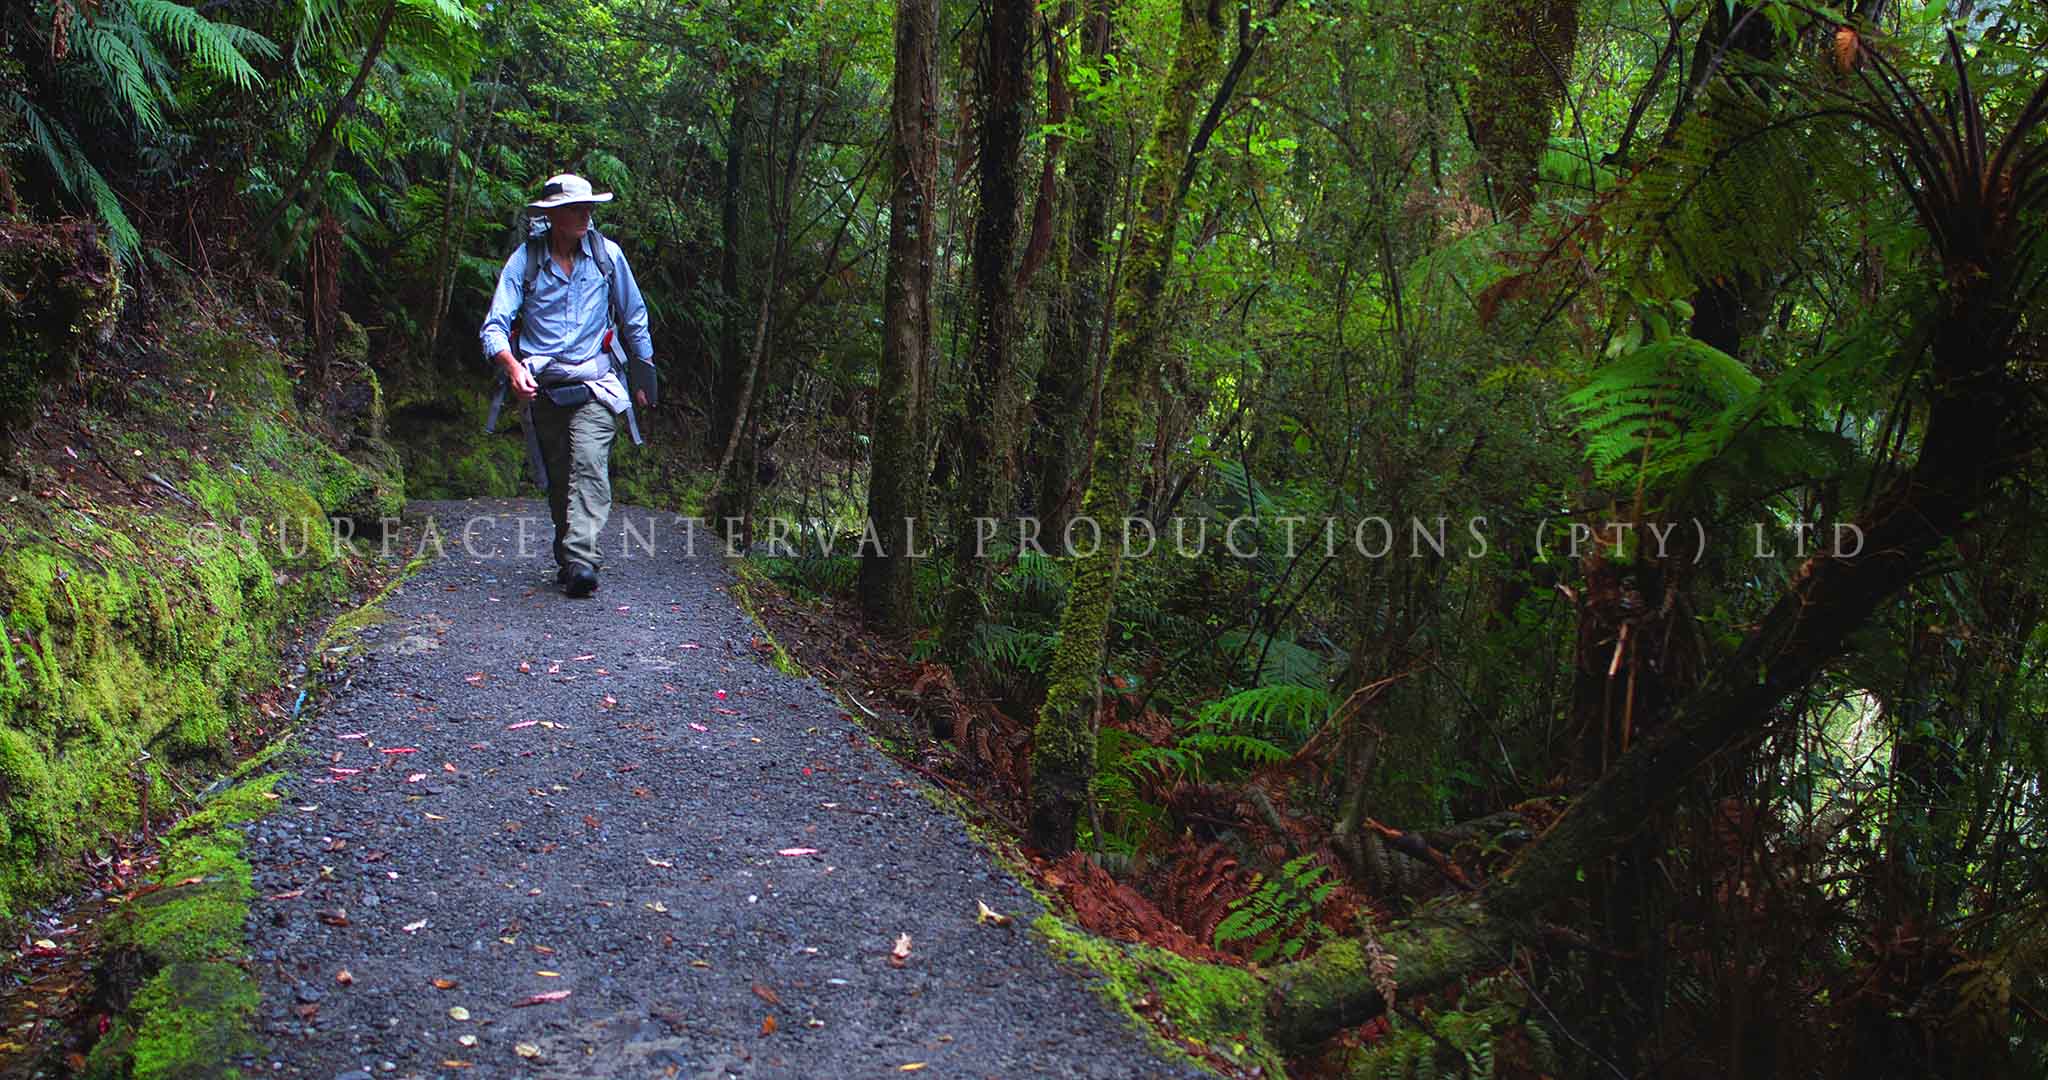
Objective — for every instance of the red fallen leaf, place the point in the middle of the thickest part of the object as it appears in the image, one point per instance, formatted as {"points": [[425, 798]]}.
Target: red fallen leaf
{"points": [[345, 977], [525, 667], [695, 726], [795, 851], [642, 793], [719, 694], [767, 1025], [292, 894], [416, 778], [336, 917], [521, 724], [447, 766], [767, 994], [475, 678], [400, 750], [339, 771], [591, 820], [190, 881], [609, 701], [307, 1012], [901, 951], [690, 645], [585, 656], [602, 671], [628, 768], [541, 999]]}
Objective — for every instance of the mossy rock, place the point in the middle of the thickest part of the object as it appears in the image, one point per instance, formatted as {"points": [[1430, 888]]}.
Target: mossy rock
{"points": [[60, 293]]}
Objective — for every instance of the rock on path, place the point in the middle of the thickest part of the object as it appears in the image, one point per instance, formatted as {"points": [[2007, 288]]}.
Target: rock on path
{"points": [[520, 795]]}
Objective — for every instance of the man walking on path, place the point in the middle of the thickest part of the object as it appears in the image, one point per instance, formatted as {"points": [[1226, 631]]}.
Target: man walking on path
{"points": [[569, 290]]}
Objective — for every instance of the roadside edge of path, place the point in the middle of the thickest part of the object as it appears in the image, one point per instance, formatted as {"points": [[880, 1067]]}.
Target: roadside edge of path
{"points": [[1193, 1013], [174, 964]]}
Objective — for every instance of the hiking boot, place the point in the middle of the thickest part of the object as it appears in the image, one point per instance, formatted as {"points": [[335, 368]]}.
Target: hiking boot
{"points": [[577, 580]]}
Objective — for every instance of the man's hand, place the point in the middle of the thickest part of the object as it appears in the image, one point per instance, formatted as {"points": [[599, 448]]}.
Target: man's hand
{"points": [[640, 399], [523, 386]]}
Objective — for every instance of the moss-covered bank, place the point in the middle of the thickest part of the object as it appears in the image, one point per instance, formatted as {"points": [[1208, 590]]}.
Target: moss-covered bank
{"points": [[160, 528], [180, 948]]}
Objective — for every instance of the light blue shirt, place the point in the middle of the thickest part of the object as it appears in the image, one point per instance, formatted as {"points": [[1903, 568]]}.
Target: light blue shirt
{"points": [[567, 315]]}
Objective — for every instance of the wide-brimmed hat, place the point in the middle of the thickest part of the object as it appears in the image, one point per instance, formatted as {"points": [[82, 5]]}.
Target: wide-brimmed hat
{"points": [[565, 189]]}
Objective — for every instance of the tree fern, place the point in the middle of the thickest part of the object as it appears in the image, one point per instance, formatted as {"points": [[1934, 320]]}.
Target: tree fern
{"points": [[1654, 409]]}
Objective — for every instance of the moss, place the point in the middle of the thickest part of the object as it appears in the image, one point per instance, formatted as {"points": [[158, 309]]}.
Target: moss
{"points": [[745, 577], [193, 1013], [132, 635], [1205, 1007]]}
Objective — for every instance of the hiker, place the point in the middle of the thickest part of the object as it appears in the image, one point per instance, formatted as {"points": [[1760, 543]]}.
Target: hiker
{"points": [[574, 300]]}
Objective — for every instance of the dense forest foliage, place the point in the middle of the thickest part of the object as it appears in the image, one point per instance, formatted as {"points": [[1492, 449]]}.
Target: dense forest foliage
{"points": [[1593, 627]]}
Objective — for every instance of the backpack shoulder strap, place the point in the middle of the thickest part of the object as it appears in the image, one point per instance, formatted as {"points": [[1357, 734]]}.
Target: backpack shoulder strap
{"points": [[536, 256], [602, 251]]}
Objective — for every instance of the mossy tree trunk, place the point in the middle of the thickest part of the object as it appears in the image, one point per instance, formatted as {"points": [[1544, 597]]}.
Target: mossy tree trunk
{"points": [[896, 471], [1063, 751], [1522, 60], [986, 439], [1066, 383]]}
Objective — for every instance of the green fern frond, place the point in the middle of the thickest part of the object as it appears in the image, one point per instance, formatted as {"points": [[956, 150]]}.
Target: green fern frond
{"points": [[1654, 408], [120, 69], [219, 48], [1288, 711]]}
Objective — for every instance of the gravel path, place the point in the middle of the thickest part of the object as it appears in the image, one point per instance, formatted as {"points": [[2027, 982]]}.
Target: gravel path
{"points": [[518, 794]]}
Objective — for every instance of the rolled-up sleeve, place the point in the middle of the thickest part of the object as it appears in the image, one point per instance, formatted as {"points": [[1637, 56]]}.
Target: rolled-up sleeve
{"points": [[497, 330], [634, 306]]}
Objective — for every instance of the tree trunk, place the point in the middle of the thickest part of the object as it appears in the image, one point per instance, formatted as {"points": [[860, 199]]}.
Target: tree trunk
{"points": [[896, 470], [1522, 56], [1063, 750], [733, 313], [1066, 383], [986, 437], [445, 253], [321, 156]]}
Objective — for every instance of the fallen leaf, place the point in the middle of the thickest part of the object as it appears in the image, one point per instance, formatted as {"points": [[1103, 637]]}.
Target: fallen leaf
{"points": [[345, 977], [541, 999], [767, 1026], [400, 750], [292, 894], [526, 1050], [795, 851], [475, 678], [658, 907], [700, 963], [525, 667], [591, 821], [984, 913], [415, 778], [466, 1040], [652, 861], [912, 1067], [689, 645], [901, 952], [585, 656], [339, 771], [695, 726], [521, 724], [353, 735], [435, 817], [451, 1063], [609, 701], [549, 974], [447, 766], [767, 994], [414, 927], [457, 1012], [445, 984], [337, 917]]}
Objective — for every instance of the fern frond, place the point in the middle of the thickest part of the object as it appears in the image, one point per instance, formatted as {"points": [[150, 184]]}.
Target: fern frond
{"points": [[218, 48], [1287, 711]]}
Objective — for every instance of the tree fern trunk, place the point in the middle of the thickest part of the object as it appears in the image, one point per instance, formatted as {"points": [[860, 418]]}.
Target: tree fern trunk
{"points": [[321, 156]]}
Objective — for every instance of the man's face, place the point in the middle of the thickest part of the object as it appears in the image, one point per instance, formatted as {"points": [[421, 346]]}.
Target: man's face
{"points": [[569, 222]]}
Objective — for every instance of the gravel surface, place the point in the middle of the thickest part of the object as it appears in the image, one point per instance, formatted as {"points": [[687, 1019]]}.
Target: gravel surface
{"points": [[604, 829]]}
